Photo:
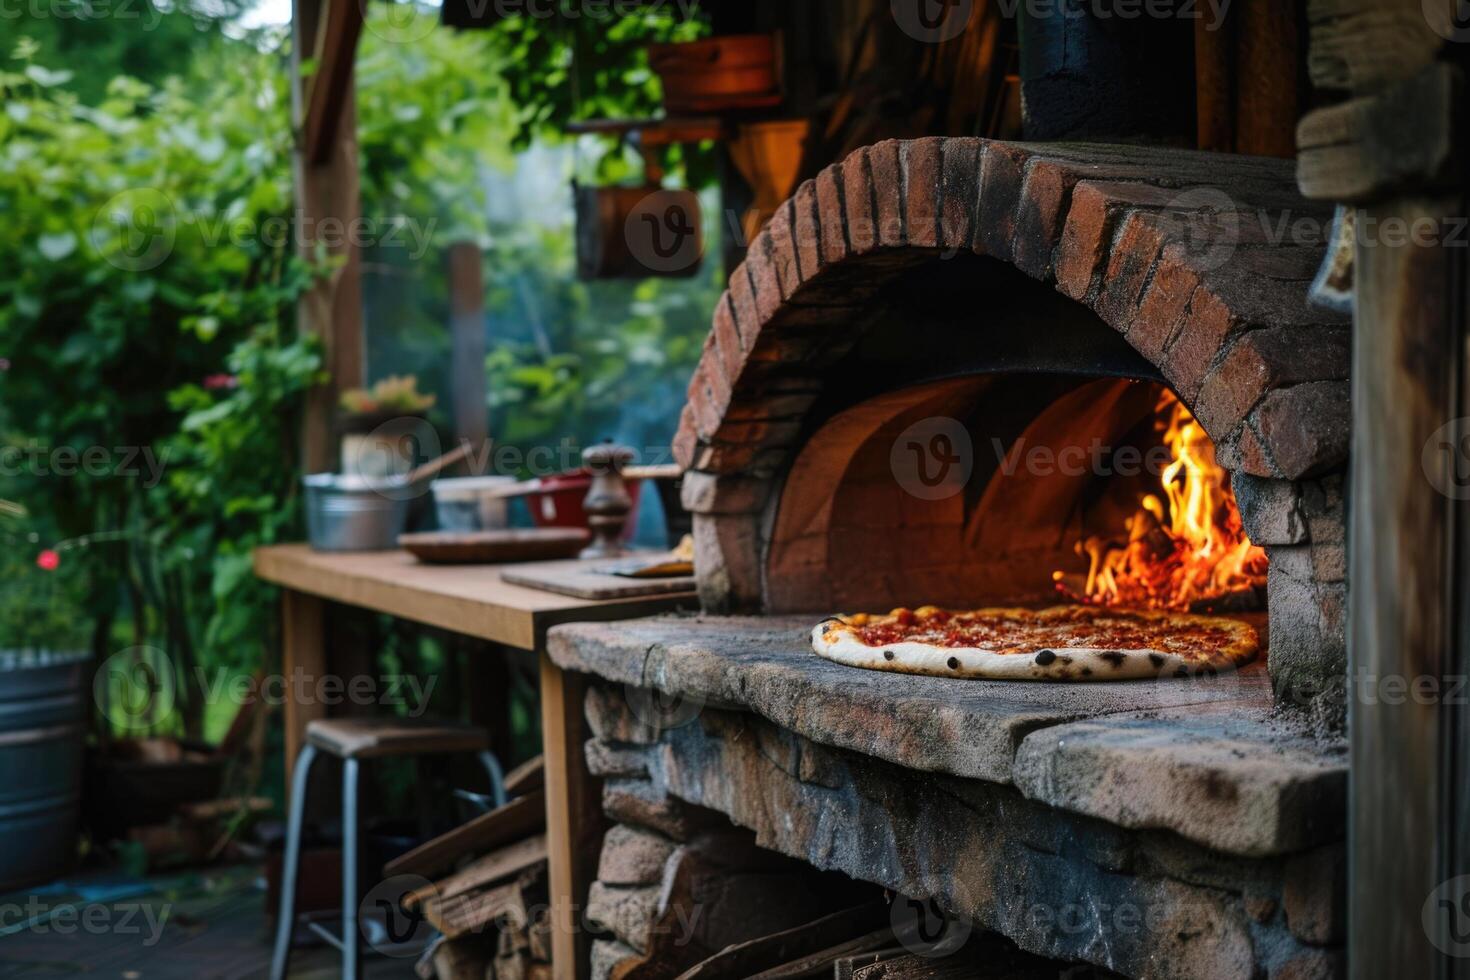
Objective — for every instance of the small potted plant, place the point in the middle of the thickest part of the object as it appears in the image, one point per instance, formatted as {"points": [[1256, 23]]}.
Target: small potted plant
{"points": [[377, 423]]}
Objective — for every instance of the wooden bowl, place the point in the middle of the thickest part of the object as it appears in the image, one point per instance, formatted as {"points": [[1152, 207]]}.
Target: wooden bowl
{"points": [[495, 547]]}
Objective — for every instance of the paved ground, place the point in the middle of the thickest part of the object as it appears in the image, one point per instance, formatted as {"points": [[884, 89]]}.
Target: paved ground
{"points": [[196, 926]]}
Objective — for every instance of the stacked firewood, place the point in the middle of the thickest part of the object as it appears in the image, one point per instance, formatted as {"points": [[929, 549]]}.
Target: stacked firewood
{"points": [[487, 901]]}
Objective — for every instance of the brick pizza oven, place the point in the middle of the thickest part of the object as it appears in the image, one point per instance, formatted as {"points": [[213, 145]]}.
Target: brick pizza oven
{"points": [[1043, 294], [1003, 297]]}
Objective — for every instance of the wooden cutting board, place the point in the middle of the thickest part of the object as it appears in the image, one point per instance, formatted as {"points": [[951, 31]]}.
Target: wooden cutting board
{"points": [[583, 580]]}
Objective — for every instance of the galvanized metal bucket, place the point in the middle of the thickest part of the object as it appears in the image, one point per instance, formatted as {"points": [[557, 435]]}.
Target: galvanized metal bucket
{"points": [[43, 705], [349, 513]]}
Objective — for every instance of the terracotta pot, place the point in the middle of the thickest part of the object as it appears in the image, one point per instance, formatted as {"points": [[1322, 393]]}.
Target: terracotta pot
{"points": [[737, 71]]}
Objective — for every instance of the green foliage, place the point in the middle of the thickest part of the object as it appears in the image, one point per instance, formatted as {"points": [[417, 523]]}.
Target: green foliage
{"points": [[143, 39]]}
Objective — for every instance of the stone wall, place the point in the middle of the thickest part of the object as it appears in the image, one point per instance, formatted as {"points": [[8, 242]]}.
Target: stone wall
{"points": [[1064, 886]]}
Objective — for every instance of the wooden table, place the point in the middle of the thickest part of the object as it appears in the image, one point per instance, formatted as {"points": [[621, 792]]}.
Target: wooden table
{"points": [[473, 601]]}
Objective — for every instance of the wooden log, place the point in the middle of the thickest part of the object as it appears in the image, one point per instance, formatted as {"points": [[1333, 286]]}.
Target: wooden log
{"points": [[759, 955], [529, 775], [488, 870], [519, 818]]}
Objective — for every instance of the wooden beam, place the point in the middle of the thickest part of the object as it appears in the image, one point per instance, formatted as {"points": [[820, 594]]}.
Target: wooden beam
{"points": [[330, 86], [467, 337], [327, 212], [304, 650]]}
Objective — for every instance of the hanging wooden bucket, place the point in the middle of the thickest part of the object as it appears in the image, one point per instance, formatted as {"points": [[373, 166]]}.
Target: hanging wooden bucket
{"points": [[738, 71], [636, 232]]}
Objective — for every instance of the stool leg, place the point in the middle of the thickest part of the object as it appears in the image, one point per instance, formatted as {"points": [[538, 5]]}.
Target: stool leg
{"points": [[351, 938], [497, 777], [291, 865]]}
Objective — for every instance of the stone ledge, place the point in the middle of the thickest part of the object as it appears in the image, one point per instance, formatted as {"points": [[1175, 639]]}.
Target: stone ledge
{"points": [[1269, 779], [1143, 903]]}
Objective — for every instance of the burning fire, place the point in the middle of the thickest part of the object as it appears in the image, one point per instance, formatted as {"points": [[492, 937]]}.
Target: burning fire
{"points": [[1183, 550]]}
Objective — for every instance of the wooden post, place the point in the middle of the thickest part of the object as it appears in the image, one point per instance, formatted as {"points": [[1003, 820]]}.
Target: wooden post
{"points": [[1391, 152], [327, 206], [574, 821], [467, 332], [304, 651]]}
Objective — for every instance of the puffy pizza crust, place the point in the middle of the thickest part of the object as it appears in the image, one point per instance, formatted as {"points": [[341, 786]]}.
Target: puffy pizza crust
{"points": [[835, 640]]}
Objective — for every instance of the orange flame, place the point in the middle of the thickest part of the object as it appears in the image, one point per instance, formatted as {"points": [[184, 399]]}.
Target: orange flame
{"points": [[1185, 549]]}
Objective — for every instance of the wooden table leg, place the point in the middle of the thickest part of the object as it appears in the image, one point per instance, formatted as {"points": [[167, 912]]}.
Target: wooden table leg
{"points": [[304, 653], [574, 821]]}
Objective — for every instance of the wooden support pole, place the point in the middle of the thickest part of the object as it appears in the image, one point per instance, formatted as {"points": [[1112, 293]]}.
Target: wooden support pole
{"points": [[574, 821], [327, 215], [1409, 553], [467, 334]]}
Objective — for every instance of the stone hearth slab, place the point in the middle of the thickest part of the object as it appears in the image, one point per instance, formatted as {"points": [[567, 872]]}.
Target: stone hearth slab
{"points": [[1201, 757]]}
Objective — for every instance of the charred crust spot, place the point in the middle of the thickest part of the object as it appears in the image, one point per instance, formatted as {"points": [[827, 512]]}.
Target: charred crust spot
{"points": [[1086, 671], [1182, 672], [1114, 658], [889, 654], [1045, 658], [954, 663], [1066, 660], [1157, 659]]}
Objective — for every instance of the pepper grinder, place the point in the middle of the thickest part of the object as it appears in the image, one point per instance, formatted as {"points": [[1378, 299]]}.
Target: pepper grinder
{"points": [[607, 503]]}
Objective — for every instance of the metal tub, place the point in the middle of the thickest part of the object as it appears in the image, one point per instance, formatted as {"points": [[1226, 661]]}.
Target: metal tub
{"points": [[347, 513], [43, 707]]}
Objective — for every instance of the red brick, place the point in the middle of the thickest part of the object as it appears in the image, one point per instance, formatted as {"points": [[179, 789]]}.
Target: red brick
{"points": [[712, 366], [857, 198], [1189, 356], [806, 229], [1243, 452], [708, 410], [764, 280], [727, 341], [923, 166], [743, 304], [685, 440], [1164, 306], [783, 249], [1265, 359], [1092, 218], [1305, 428], [1040, 215], [887, 181], [1129, 266], [960, 195], [832, 217], [1002, 174]]}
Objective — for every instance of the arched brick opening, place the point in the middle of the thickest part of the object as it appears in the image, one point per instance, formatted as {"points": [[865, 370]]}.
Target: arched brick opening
{"points": [[1185, 259]]}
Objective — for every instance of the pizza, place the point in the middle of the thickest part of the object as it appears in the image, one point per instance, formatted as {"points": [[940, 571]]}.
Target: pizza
{"points": [[1063, 643]]}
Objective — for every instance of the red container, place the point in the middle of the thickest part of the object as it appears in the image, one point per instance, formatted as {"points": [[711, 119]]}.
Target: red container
{"points": [[558, 501]]}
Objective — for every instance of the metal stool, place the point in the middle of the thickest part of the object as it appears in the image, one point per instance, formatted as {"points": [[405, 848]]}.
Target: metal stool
{"points": [[352, 740]]}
